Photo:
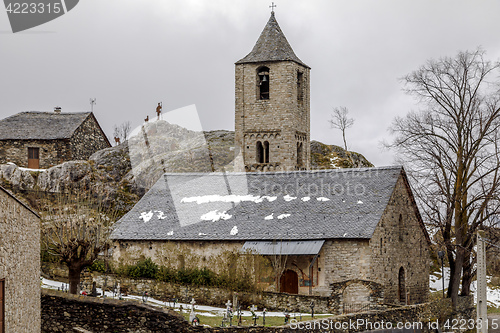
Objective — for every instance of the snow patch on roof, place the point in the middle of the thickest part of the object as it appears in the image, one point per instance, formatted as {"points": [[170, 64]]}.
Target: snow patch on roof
{"points": [[282, 216], [322, 199], [146, 216], [234, 231], [161, 215], [305, 199], [225, 198], [360, 202], [170, 233], [270, 199], [269, 217], [289, 198], [215, 216]]}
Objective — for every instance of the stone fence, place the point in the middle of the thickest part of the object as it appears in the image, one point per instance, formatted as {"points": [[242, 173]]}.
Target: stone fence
{"points": [[214, 296], [62, 312], [70, 313]]}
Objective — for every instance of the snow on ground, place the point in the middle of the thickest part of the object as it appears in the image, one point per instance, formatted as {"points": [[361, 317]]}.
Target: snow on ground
{"points": [[436, 284], [203, 310], [27, 169]]}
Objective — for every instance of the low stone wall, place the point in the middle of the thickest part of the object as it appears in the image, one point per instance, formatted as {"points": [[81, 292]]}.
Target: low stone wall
{"points": [[438, 311], [69, 313], [203, 295], [422, 318], [215, 296]]}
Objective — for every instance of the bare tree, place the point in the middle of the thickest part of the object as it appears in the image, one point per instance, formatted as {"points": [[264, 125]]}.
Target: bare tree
{"points": [[451, 151], [278, 263], [122, 132], [340, 121], [76, 229]]}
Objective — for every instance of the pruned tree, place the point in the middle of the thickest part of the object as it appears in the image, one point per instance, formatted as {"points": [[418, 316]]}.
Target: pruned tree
{"points": [[278, 262], [450, 149], [339, 120], [76, 229], [122, 132]]}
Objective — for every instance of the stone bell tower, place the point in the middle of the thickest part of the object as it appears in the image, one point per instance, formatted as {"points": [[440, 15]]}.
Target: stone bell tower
{"points": [[272, 114]]}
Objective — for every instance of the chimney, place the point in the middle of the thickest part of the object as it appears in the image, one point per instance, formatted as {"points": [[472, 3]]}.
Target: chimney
{"points": [[57, 109]]}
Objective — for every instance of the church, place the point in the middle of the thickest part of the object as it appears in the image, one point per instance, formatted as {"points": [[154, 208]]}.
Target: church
{"points": [[354, 235]]}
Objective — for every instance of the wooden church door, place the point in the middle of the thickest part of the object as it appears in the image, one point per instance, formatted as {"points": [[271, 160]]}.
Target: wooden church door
{"points": [[289, 282]]}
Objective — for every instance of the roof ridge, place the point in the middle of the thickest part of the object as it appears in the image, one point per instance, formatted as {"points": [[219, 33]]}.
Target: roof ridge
{"points": [[52, 112], [388, 167]]}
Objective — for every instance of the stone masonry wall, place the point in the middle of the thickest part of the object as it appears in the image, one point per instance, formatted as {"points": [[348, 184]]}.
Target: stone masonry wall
{"points": [[68, 313], [62, 312], [20, 265], [392, 246], [52, 152], [400, 243], [87, 139], [224, 258], [203, 295], [283, 118]]}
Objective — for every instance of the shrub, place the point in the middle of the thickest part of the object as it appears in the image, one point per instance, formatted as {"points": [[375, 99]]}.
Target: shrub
{"points": [[98, 266], [146, 268], [143, 269]]}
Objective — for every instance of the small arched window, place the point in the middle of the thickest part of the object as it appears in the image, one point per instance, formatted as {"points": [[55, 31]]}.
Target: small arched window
{"points": [[263, 82], [300, 86], [259, 152], [266, 152], [401, 286], [299, 154]]}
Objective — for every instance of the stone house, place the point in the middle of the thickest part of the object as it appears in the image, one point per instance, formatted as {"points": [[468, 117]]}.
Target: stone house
{"points": [[19, 266], [44, 139], [351, 234]]}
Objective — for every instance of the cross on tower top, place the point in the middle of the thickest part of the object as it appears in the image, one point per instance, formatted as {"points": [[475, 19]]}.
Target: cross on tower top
{"points": [[272, 7]]}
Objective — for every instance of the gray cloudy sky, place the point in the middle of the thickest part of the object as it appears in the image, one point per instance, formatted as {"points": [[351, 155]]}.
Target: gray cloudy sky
{"points": [[132, 54]]}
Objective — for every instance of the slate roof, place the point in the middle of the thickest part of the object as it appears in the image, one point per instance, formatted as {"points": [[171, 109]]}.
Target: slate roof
{"points": [[327, 204], [271, 46], [36, 125]]}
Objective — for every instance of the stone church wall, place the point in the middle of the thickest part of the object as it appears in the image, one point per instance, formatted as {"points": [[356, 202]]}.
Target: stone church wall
{"points": [[87, 139], [223, 258], [20, 265], [400, 243], [52, 152]]}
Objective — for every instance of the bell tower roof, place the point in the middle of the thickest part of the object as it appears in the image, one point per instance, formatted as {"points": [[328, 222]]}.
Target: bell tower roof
{"points": [[271, 46]]}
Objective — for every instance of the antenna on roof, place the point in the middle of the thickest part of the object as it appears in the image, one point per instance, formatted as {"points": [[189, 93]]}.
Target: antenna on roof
{"points": [[92, 102], [272, 7]]}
